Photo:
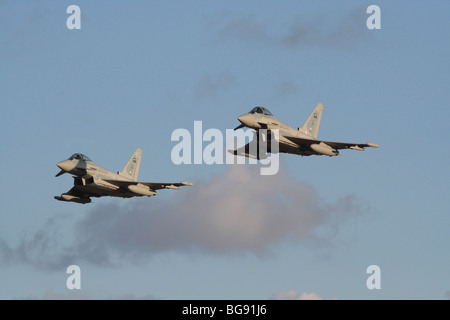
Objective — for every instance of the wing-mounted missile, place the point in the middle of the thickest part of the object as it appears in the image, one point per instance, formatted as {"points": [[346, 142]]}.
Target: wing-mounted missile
{"points": [[368, 144], [172, 187], [72, 198], [178, 185], [357, 148], [141, 189], [325, 149]]}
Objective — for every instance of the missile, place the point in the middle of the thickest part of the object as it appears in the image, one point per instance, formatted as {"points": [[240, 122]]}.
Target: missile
{"points": [[325, 149], [141, 189], [71, 198], [184, 183], [172, 187], [373, 145], [357, 148]]}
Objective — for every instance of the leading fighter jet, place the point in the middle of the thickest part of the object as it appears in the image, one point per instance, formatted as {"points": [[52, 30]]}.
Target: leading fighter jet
{"points": [[91, 180], [302, 141]]}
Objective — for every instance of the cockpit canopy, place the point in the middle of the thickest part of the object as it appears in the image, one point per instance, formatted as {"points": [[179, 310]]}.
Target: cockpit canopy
{"points": [[261, 110], [79, 156]]}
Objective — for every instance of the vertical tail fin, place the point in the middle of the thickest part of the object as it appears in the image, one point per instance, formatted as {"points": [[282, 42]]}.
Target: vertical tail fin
{"points": [[131, 170], [311, 126]]}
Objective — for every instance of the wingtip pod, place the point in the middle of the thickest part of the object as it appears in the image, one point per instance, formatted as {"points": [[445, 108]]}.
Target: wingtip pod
{"points": [[184, 183], [373, 145]]}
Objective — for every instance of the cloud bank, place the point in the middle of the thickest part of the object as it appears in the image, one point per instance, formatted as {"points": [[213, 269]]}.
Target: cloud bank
{"points": [[291, 294], [320, 31], [238, 211]]}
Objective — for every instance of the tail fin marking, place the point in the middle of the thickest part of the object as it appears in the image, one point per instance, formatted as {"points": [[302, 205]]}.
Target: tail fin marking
{"points": [[311, 126], [131, 169]]}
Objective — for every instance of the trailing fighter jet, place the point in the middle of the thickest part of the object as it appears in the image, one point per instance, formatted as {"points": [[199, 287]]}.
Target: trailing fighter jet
{"points": [[302, 141], [91, 180]]}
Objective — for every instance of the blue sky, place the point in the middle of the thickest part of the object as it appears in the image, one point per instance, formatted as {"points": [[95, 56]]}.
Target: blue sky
{"points": [[137, 71]]}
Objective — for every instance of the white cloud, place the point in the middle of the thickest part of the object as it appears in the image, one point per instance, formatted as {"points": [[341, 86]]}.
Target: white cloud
{"points": [[239, 211], [291, 294], [52, 295]]}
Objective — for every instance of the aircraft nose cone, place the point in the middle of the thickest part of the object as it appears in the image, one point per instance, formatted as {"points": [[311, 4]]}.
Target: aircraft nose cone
{"points": [[66, 165], [246, 119]]}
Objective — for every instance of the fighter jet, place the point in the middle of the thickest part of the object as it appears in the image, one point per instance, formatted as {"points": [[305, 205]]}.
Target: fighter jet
{"points": [[91, 180], [302, 141]]}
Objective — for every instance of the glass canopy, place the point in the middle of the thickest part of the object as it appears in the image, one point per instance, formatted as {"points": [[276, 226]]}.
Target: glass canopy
{"points": [[79, 156], [261, 110]]}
